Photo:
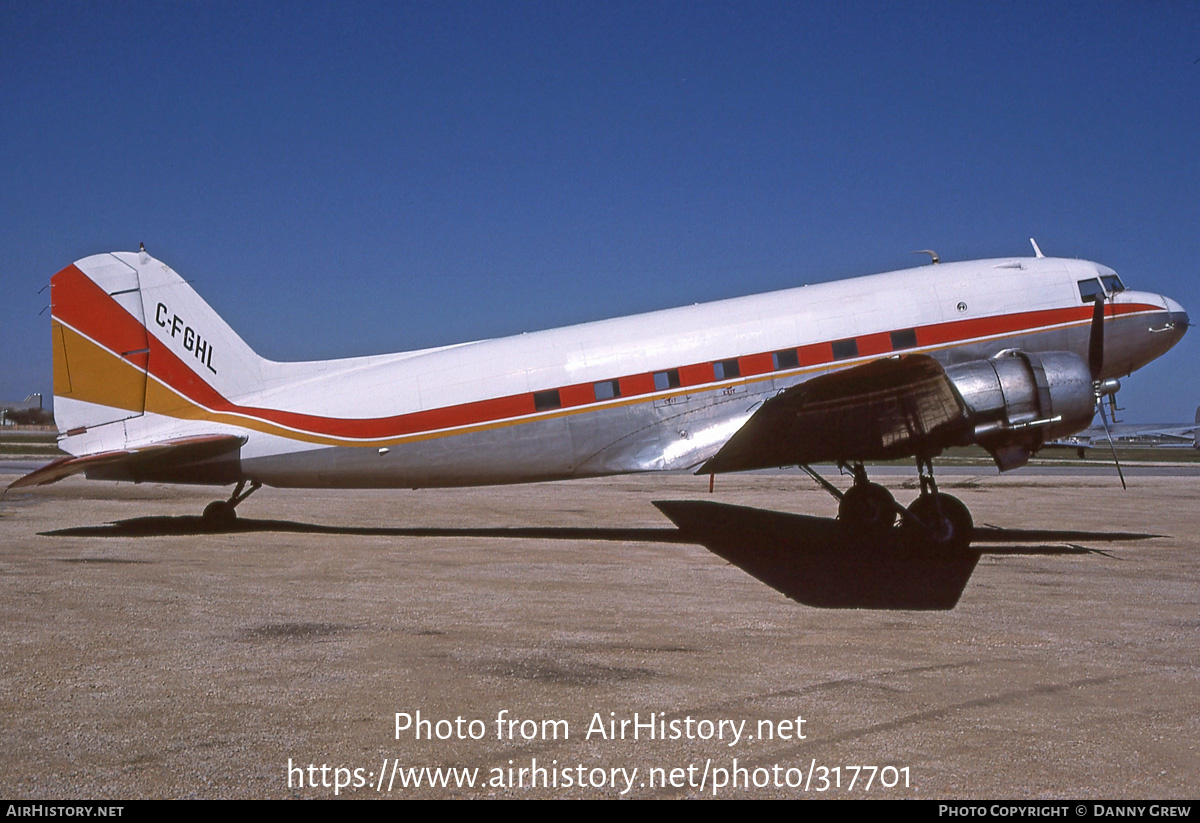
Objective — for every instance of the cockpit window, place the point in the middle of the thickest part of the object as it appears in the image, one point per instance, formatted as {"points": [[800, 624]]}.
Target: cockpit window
{"points": [[1088, 289], [1113, 284]]}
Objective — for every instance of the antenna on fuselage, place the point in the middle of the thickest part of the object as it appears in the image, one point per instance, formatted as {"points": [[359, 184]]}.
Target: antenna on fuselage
{"points": [[1036, 251], [932, 255]]}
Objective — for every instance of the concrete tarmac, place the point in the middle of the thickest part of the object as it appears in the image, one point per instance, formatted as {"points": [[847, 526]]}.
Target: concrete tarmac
{"points": [[143, 657]]}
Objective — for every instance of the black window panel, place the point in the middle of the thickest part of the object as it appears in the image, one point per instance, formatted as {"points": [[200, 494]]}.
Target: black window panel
{"points": [[904, 339], [664, 380], [844, 349], [1088, 289], [546, 400], [725, 369], [1113, 283], [786, 359], [607, 389]]}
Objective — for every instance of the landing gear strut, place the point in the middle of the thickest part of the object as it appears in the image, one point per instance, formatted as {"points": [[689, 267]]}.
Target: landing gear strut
{"points": [[934, 520], [222, 514]]}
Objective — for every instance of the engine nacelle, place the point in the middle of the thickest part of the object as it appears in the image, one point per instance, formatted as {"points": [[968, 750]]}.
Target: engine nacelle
{"points": [[1017, 401]]}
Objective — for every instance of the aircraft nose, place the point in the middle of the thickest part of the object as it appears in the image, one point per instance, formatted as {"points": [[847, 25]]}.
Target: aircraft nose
{"points": [[1177, 320], [1176, 310], [1179, 316]]}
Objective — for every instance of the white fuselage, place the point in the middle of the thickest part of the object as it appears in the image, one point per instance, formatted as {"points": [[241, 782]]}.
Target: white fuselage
{"points": [[661, 390]]}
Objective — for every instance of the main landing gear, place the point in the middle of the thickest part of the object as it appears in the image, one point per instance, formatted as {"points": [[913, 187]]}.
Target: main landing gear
{"points": [[222, 514], [865, 506], [945, 519], [934, 520]]}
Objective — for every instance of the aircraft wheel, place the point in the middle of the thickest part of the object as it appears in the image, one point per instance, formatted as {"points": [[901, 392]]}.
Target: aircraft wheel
{"points": [[951, 529], [219, 514], [868, 507]]}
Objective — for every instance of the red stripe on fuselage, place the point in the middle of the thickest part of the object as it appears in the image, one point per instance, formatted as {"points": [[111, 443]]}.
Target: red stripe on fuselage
{"points": [[939, 334]]}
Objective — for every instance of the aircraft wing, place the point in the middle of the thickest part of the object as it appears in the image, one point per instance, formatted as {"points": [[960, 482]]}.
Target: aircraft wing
{"points": [[877, 411], [1178, 432], [1132, 434], [168, 454]]}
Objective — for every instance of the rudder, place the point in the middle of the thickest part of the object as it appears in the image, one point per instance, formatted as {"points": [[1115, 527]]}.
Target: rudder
{"points": [[130, 336]]}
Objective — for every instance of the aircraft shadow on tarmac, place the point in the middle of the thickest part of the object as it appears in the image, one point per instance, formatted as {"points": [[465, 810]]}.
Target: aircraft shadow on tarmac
{"points": [[818, 562], [815, 561]]}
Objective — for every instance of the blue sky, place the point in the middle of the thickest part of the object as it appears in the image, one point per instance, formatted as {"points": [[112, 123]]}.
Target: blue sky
{"points": [[341, 179]]}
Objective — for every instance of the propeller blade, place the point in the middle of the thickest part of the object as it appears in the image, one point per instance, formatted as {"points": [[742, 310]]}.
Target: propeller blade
{"points": [[1108, 434], [1096, 339]]}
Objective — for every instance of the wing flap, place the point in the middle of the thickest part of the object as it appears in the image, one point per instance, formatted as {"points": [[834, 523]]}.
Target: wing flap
{"points": [[877, 411], [168, 454]]}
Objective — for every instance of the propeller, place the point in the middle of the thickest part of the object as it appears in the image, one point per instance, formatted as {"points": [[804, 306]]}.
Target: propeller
{"points": [[1099, 386], [1096, 340]]}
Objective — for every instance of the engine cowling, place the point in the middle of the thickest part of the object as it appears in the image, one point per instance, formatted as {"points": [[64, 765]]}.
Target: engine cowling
{"points": [[1016, 401]]}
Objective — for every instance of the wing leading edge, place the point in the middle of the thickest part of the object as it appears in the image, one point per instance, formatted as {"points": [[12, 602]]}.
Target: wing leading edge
{"points": [[881, 410]]}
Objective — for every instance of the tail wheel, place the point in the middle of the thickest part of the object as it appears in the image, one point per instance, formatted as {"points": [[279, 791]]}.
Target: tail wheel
{"points": [[867, 507], [219, 514], [222, 514], [946, 522]]}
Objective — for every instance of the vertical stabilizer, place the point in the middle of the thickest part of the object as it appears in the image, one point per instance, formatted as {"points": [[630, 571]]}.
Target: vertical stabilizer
{"points": [[130, 336], [194, 354]]}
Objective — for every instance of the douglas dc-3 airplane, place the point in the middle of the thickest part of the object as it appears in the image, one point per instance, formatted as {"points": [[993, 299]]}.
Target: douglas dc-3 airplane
{"points": [[151, 385]]}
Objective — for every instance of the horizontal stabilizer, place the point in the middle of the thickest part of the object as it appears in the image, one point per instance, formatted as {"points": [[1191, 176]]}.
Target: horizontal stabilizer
{"points": [[155, 457]]}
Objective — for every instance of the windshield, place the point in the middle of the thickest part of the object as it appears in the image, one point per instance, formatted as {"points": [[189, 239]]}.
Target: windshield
{"points": [[1088, 289], [1113, 284]]}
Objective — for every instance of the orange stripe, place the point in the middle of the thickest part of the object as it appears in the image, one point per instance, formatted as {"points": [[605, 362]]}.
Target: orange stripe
{"points": [[93, 374]]}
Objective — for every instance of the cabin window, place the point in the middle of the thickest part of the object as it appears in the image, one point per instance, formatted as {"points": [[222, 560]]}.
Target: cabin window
{"points": [[904, 339], [607, 389], [845, 349], [664, 380], [725, 369], [1113, 284], [546, 400], [1088, 289], [786, 359]]}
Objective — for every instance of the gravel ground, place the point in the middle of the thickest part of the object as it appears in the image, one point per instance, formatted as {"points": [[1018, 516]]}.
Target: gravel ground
{"points": [[145, 658]]}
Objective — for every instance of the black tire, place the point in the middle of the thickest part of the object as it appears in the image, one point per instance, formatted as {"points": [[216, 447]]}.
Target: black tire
{"points": [[868, 507], [219, 515], [946, 523]]}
